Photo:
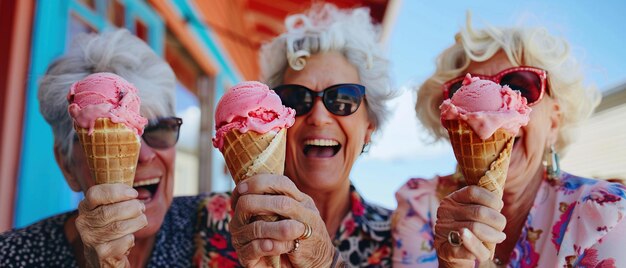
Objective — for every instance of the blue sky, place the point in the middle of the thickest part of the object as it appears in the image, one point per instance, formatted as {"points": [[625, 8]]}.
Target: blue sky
{"points": [[596, 31]]}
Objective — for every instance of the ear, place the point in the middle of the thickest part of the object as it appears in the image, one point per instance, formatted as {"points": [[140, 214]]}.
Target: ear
{"points": [[555, 121], [64, 165], [368, 132]]}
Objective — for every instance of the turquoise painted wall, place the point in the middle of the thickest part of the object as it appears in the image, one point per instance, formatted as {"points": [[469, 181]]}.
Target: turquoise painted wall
{"points": [[42, 190]]}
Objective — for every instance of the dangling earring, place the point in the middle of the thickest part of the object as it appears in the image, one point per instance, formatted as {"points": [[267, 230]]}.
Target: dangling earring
{"points": [[551, 163]]}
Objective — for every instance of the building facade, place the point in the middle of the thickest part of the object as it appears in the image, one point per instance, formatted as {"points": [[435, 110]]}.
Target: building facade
{"points": [[210, 45]]}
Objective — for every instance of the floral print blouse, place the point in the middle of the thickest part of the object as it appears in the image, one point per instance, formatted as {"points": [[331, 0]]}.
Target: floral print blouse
{"points": [[364, 237], [574, 222]]}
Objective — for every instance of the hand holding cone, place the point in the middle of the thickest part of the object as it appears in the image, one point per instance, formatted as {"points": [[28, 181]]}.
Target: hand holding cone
{"points": [[482, 119], [251, 133], [251, 153], [483, 162]]}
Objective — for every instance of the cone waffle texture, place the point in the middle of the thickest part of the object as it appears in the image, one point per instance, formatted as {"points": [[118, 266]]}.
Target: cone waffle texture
{"points": [[483, 162], [252, 153], [112, 151]]}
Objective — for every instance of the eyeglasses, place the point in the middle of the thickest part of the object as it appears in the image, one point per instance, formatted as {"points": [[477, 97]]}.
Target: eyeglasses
{"points": [[529, 81], [340, 99], [162, 133]]}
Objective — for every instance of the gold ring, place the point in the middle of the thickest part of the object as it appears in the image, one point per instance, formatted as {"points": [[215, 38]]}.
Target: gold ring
{"points": [[308, 231], [296, 245], [455, 239]]}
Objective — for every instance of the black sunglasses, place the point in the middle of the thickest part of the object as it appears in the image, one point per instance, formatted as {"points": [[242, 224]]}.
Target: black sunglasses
{"points": [[340, 99], [162, 133]]}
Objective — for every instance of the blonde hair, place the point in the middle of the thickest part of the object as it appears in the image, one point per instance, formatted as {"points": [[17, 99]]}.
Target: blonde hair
{"points": [[522, 46], [326, 28]]}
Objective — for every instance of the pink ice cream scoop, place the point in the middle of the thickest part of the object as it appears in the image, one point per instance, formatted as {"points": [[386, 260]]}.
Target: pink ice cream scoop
{"points": [[105, 95], [250, 106], [486, 107]]}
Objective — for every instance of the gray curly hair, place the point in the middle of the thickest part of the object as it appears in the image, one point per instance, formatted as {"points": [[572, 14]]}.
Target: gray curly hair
{"points": [[117, 52], [326, 28]]}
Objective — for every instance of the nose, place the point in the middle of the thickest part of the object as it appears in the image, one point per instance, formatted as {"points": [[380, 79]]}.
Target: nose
{"points": [[319, 115], [146, 153]]}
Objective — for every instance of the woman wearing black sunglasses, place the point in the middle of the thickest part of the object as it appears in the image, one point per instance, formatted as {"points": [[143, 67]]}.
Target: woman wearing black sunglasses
{"points": [[329, 68], [115, 225], [548, 218]]}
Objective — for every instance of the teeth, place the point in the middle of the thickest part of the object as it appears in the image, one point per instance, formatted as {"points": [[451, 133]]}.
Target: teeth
{"points": [[147, 182], [321, 142]]}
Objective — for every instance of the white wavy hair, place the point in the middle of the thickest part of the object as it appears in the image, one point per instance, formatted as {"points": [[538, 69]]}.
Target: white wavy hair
{"points": [[523, 46], [117, 52], [325, 28]]}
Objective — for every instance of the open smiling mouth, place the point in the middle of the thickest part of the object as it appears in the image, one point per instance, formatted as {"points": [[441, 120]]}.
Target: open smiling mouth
{"points": [[147, 189], [321, 148]]}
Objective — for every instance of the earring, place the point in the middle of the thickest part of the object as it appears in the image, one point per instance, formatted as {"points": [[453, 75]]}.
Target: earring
{"points": [[551, 163]]}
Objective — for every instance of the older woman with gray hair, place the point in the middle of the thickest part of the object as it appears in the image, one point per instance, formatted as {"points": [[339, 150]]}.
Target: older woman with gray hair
{"points": [[329, 68], [115, 224], [547, 217]]}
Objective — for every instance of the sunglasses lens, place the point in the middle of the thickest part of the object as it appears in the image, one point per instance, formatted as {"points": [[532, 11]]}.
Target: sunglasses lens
{"points": [[453, 88], [295, 97], [526, 82], [343, 99], [163, 133]]}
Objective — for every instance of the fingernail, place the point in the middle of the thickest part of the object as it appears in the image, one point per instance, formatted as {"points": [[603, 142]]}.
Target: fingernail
{"points": [[130, 192], [466, 234], [143, 207], [242, 188], [502, 236], [267, 245]]}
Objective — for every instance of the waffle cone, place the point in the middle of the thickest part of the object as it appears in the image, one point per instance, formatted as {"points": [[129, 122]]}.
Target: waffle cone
{"points": [[252, 153], [483, 162], [112, 151]]}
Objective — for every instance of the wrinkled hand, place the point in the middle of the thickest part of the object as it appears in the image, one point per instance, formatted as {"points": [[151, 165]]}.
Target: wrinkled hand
{"points": [[107, 219], [474, 213], [268, 194]]}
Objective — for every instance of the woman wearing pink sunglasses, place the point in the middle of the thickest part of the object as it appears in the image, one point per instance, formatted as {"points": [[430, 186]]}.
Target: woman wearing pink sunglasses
{"points": [[548, 218]]}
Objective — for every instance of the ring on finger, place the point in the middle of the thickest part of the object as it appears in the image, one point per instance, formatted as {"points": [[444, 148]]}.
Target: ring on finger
{"points": [[296, 245], [308, 231], [455, 239]]}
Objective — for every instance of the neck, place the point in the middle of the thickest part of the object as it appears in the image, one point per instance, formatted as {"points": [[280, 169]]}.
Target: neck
{"points": [[517, 204], [138, 256], [332, 205]]}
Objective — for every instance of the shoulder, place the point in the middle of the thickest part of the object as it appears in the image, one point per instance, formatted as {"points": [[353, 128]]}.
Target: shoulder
{"points": [[416, 192], [37, 244], [215, 210], [376, 212], [439, 185], [589, 210], [589, 191]]}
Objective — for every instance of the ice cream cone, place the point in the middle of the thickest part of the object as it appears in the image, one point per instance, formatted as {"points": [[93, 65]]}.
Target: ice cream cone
{"points": [[112, 151], [483, 162], [252, 153]]}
